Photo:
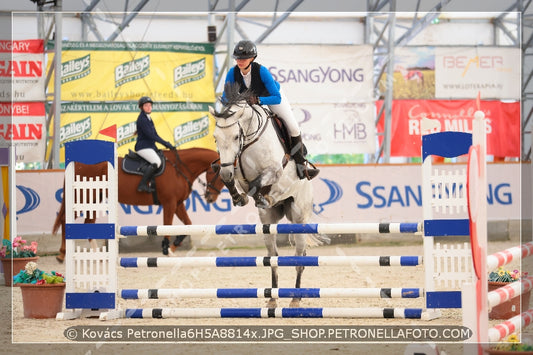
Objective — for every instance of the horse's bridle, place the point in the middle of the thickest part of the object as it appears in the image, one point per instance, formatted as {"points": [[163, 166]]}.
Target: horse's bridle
{"points": [[261, 127], [206, 185], [241, 142]]}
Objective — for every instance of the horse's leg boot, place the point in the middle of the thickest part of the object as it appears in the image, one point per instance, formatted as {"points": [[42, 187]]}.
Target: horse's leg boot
{"points": [[143, 185], [165, 244], [297, 153]]}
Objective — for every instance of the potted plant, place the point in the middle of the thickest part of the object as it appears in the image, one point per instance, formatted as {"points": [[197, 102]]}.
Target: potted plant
{"points": [[14, 256], [511, 345], [511, 308], [42, 293]]}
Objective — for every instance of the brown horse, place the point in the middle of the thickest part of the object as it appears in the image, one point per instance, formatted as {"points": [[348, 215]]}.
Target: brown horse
{"points": [[173, 187]]}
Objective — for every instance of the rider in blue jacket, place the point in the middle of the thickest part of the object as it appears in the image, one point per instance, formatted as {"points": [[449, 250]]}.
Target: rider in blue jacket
{"points": [[251, 75], [146, 138]]}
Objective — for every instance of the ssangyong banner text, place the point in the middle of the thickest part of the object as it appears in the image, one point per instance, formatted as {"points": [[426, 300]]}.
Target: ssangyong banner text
{"points": [[321, 73]]}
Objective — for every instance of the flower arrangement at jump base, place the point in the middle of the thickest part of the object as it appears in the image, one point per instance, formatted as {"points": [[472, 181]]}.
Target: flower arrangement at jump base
{"points": [[32, 275], [42, 293], [14, 256], [502, 275], [512, 344], [19, 248], [500, 278]]}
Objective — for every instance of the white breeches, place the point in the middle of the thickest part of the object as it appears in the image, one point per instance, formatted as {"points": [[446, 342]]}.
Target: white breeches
{"points": [[284, 112], [150, 155]]}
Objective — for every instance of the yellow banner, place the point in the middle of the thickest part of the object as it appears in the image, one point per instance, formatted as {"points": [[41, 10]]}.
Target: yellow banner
{"points": [[125, 71], [183, 124]]}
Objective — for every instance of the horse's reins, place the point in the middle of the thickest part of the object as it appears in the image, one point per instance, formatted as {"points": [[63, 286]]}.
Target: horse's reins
{"points": [[206, 185], [261, 128], [178, 170]]}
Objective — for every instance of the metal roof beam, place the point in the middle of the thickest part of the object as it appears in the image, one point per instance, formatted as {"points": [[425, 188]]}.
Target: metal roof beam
{"points": [[419, 25], [278, 21], [127, 20]]}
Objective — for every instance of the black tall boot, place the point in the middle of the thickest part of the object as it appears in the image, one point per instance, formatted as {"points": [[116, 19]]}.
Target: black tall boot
{"points": [[143, 185], [297, 153]]}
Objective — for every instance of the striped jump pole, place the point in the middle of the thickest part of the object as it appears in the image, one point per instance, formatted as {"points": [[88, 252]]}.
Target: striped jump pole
{"points": [[267, 261], [272, 293], [415, 313], [506, 256], [510, 326], [507, 292], [261, 229]]}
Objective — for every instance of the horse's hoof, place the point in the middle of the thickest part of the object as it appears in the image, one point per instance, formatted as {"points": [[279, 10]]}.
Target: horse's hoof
{"points": [[262, 201], [60, 259], [179, 239], [242, 200], [294, 304], [272, 303], [164, 245]]}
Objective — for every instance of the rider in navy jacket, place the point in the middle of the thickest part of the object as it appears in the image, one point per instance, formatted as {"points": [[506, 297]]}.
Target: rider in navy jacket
{"points": [[146, 138], [251, 75]]}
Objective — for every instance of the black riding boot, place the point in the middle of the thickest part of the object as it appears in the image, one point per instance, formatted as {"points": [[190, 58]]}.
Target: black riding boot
{"points": [[297, 152], [143, 185]]}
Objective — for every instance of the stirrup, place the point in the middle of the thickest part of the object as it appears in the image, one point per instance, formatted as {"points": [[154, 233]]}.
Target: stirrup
{"points": [[304, 172]]}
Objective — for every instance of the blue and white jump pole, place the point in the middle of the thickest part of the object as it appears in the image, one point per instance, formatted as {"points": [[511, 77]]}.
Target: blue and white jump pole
{"points": [[261, 229]]}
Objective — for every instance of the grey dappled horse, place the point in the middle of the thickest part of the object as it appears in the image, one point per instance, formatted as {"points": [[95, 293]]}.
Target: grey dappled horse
{"points": [[252, 154]]}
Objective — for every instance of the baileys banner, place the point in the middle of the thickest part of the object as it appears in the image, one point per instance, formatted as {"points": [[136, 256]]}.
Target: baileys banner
{"points": [[124, 71]]}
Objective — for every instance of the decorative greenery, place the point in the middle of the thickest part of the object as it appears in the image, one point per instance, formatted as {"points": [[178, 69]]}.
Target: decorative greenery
{"points": [[502, 275], [512, 343], [19, 248], [32, 275]]}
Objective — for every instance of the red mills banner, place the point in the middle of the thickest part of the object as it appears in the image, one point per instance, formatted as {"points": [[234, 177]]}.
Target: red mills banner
{"points": [[502, 124], [22, 70]]}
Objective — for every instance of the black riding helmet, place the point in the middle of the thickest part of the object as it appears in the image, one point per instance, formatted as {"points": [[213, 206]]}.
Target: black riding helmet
{"points": [[245, 49], [144, 100]]}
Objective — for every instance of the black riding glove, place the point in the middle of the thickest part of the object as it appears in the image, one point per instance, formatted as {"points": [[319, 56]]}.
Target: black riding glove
{"points": [[253, 100]]}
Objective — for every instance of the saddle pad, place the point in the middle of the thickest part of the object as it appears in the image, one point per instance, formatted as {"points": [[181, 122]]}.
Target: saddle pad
{"points": [[134, 164]]}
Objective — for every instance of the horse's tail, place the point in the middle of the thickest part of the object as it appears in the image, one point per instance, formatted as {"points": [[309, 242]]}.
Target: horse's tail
{"points": [[314, 240], [60, 218]]}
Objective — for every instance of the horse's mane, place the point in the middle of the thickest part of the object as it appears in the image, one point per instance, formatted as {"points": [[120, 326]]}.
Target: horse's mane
{"points": [[231, 97]]}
